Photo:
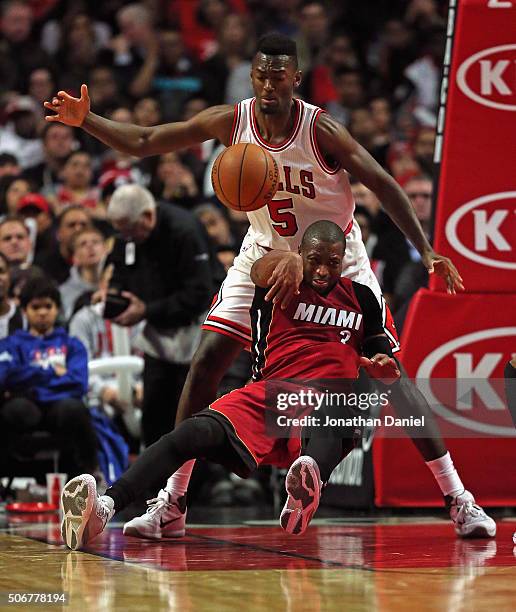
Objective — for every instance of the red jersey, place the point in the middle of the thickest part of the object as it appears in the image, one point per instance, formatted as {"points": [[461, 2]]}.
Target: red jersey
{"points": [[316, 336]]}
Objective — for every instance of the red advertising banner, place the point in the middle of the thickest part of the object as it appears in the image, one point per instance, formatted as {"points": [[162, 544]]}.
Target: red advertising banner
{"points": [[475, 221], [467, 338]]}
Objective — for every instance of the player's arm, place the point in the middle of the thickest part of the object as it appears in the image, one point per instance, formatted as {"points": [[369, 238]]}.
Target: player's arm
{"points": [[282, 271], [214, 122], [337, 145], [377, 357]]}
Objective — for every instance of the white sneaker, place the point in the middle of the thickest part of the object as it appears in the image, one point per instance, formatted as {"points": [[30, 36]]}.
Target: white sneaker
{"points": [[165, 518], [85, 514], [469, 518], [303, 485]]}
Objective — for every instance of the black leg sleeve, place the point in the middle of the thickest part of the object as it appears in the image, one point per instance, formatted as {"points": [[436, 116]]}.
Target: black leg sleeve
{"points": [[193, 438]]}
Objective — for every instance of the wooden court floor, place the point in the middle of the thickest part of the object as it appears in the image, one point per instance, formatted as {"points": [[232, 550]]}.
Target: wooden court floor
{"points": [[396, 565]]}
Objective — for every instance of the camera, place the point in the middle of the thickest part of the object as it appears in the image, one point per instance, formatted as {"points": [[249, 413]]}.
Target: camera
{"points": [[115, 305]]}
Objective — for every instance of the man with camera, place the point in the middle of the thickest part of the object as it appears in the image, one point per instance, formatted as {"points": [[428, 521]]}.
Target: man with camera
{"points": [[163, 274]]}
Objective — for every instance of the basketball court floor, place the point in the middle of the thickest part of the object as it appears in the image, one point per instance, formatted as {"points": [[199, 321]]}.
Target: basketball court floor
{"points": [[414, 564]]}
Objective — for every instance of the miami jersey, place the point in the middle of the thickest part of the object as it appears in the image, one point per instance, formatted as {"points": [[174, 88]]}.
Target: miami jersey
{"points": [[315, 336], [309, 190]]}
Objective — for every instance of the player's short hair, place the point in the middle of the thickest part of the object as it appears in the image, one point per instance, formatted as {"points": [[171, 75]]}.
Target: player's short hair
{"points": [[277, 44], [323, 231], [129, 202], [39, 287]]}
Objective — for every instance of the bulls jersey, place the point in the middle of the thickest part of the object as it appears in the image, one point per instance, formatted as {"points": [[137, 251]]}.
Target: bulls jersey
{"points": [[315, 336], [309, 189]]}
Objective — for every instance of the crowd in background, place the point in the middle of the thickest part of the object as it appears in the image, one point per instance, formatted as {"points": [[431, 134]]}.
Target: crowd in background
{"points": [[375, 66]]}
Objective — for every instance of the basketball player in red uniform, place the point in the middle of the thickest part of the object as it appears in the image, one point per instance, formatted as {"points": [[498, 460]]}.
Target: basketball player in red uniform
{"points": [[313, 153], [320, 335]]}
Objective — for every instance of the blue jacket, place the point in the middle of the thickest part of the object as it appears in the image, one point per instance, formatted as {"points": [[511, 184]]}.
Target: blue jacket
{"points": [[26, 365]]}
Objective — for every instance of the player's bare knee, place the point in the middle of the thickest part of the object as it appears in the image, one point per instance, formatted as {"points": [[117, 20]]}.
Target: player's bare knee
{"points": [[214, 355]]}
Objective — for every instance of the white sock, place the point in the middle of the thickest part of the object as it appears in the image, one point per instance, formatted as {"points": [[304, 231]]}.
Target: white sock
{"points": [[177, 484], [446, 475]]}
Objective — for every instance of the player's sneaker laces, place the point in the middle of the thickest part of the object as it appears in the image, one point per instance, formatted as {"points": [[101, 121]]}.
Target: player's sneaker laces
{"points": [[165, 518], [469, 518], [303, 485], [85, 514]]}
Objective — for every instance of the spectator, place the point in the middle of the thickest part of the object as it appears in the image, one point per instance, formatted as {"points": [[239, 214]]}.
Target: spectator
{"points": [[34, 206], [89, 252], [12, 189], [365, 222], [226, 74], [58, 143], [77, 185], [41, 85], [10, 315], [20, 136], [9, 165], [18, 52], [46, 372], [147, 112], [313, 34], [104, 91], [57, 263], [413, 274], [162, 263], [177, 181], [350, 94], [226, 255], [16, 245], [424, 146], [363, 128], [215, 223]]}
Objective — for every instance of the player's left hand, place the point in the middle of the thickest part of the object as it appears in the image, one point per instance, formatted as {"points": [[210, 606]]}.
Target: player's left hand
{"points": [[134, 313], [382, 367], [285, 280], [443, 267]]}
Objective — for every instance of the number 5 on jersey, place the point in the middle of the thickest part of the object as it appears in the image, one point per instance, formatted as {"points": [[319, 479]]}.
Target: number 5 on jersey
{"points": [[283, 221]]}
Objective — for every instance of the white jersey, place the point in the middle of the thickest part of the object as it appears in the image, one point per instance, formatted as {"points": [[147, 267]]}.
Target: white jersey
{"points": [[309, 189]]}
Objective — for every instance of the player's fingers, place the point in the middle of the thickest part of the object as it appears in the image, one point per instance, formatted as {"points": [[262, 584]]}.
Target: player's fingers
{"points": [[364, 362], [65, 96], [52, 118], [49, 105], [289, 294], [84, 92]]}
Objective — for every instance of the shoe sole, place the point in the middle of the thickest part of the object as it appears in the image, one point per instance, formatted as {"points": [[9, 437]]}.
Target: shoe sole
{"points": [[77, 501], [302, 485], [480, 531]]}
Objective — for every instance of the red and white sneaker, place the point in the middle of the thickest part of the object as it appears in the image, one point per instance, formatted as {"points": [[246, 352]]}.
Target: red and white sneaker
{"points": [[469, 518], [303, 485], [165, 518], [85, 513]]}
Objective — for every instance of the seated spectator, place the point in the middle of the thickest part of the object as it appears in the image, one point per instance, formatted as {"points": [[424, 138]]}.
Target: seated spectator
{"points": [[424, 145], [226, 255], [9, 165], [58, 142], [413, 275], [12, 190], [216, 224], [103, 89], [10, 315], [365, 222], [41, 85], [45, 373], [57, 263], [147, 112], [35, 207], [177, 182], [76, 188], [16, 245], [20, 135], [89, 252], [350, 94]]}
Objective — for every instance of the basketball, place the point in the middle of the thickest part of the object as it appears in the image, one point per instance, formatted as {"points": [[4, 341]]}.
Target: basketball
{"points": [[245, 177]]}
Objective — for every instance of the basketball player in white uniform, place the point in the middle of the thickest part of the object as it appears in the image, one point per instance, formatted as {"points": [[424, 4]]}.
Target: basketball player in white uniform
{"points": [[314, 154]]}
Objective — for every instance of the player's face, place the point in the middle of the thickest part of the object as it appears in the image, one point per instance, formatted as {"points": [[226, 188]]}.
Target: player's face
{"points": [[322, 264], [274, 78]]}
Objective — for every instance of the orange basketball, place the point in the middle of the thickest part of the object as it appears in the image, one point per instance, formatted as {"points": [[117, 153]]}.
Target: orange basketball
{"points": [[245, 177]]}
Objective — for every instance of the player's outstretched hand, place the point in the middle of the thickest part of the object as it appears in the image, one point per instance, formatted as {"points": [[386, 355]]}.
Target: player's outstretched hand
{"points": [[69, 110], [382, 367], [443, 267], [285, 280]]}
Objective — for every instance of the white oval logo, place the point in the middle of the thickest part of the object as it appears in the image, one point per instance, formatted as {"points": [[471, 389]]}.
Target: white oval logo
{"points": [[492, 78], [453, 237], [428, 364]]}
